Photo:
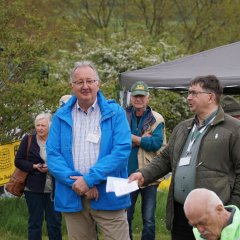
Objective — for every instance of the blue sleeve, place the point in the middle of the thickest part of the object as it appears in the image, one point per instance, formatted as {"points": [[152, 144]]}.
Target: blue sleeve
{"points": [[59, 160], [154, 142]]}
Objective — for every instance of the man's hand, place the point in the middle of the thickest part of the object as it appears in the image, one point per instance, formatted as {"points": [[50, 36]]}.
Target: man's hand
{"points": [[137, 176], [92, 194], [135, 140], [80, 186]]}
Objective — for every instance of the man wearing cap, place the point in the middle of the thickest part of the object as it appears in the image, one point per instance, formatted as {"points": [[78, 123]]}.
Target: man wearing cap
{"points": [[231, 106], [147, 128]]}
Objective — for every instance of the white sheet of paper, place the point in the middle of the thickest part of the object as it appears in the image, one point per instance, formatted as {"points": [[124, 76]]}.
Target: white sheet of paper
{"points": [[120, 186]]}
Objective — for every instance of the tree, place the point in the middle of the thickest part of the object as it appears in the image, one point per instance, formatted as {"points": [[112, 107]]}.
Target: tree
{"points": [[24, 86], [206, 24], [153, 12]]}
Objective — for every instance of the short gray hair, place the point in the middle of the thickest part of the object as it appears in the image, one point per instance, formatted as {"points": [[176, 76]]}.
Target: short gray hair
{"points": [[47, 116], [82, 64]]}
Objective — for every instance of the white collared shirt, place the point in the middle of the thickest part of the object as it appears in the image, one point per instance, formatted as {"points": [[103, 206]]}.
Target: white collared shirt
{"points": [[86, 137]]}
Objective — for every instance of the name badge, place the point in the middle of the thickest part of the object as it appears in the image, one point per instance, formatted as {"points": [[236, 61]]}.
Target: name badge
{"points": [[93, 137], [184, 161]]}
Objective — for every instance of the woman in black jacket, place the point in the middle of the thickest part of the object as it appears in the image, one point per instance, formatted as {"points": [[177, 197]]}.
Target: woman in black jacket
{"points": [[39, 187]]}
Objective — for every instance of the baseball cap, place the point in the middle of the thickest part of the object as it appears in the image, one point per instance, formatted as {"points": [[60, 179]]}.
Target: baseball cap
{"points": [[139, 88], [230, 105]]}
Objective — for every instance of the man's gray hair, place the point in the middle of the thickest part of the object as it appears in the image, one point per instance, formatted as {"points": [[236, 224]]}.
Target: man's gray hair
{"points": [[47, 116], [82, 64]]}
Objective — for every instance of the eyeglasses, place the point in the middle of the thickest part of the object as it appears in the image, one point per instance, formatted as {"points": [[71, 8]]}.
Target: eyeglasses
{"points": [[81, 82], [195, 93]]}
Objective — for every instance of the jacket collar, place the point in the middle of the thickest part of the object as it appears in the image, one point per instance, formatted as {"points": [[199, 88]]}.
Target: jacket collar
{"points": [[106, 110], [65, 113], [149, 119], [218, 119]]}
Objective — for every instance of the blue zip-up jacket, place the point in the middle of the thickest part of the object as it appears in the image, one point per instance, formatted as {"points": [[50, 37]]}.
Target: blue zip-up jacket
{"points": [[114, 151]]}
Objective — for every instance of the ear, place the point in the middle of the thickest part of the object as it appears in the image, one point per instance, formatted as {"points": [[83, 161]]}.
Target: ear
{"points": [[219, 208], [131, 100], [99, 83], [212, 97]]}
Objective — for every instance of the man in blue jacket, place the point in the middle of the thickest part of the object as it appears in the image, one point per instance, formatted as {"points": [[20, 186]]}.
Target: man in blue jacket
{"points": [[89, 140]]}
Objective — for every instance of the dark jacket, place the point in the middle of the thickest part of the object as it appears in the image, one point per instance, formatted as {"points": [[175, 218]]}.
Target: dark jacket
{"points": [[218, 161], [36, 180]]}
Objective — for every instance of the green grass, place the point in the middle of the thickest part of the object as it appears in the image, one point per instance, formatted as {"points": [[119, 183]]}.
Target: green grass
{"points": [[161, 231], [14, 217]]}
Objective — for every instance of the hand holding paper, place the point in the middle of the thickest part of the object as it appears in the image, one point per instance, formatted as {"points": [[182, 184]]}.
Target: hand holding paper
{"points": [[137, 176], [120, 186]]}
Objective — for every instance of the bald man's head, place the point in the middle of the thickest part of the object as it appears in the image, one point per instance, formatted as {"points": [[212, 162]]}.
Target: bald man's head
{"points": [[201, 198], [205, 211]]}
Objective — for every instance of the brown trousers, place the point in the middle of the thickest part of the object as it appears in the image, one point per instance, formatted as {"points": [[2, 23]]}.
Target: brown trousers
{"points": [[82, 225]]}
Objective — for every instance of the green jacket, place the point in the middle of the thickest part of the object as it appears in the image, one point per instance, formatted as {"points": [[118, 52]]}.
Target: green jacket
{"points": [[218, 161], [230, 232]]}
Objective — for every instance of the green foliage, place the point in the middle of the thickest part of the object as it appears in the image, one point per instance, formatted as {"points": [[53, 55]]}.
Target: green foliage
{"points": [[173, 106], [197, 25], [161, 231], [116, 56], [13, 216], [40, 41], [20, 103], [22, 42], [205, 24], [26, 88], [14, 220], [44, 85]]}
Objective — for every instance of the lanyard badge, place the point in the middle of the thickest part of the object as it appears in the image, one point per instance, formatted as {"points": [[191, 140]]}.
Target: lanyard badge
{"points": [[194, 136]]}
